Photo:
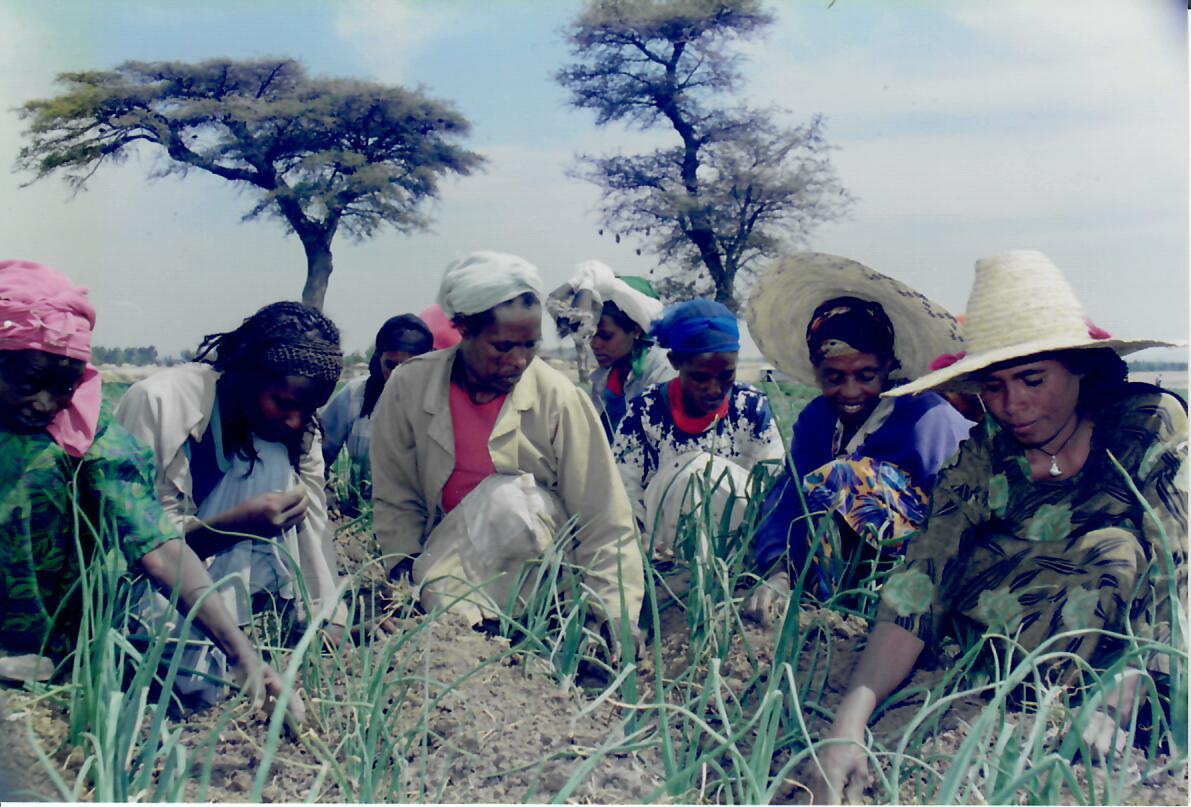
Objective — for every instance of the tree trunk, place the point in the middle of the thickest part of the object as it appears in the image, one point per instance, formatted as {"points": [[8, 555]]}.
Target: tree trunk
{"points": [[318, 271]]}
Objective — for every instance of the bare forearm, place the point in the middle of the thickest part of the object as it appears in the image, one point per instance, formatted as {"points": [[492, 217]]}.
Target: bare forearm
{"points": [[887, 660], [208, 536], [175, 566]]}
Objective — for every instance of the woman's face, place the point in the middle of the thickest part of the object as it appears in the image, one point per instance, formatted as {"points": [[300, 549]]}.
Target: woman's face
{"points": [[706, 379], [284, 407], [1034, 401], [496, 357], [611, 343], [853, 384], [391, 359], [34, 387]]}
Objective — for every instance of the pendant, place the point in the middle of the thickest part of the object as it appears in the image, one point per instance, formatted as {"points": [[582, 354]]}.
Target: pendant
{"points": [[1055, 470]]}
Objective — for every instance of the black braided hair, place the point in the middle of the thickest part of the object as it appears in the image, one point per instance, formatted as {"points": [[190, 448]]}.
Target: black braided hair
{"points": [[404, 332], [281, 339]]}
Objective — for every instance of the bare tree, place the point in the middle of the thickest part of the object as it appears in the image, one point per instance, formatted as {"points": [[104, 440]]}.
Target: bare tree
{"points": [[738, 187]]}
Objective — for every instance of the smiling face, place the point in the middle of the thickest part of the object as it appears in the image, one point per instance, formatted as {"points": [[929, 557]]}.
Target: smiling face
{"points": [[852, 384], [1035, 401], [34, 387], [706, 379], [496, 355], [611, 343]]}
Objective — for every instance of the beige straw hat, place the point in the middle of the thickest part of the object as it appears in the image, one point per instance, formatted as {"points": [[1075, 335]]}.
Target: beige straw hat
{"points": [[1020, 305], [791, 288]]}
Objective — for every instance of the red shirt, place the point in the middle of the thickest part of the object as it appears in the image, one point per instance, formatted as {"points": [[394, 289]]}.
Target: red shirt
{"points": [[615, 382], [688, 424], [472, 424]]}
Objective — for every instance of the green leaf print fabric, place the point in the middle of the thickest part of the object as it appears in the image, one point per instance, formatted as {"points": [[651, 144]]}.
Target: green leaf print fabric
{"points": [[1040, 557], [40, 486]]}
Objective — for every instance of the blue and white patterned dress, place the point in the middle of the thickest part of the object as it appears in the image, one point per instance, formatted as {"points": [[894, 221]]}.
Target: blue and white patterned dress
{"points": [[649, 443]]}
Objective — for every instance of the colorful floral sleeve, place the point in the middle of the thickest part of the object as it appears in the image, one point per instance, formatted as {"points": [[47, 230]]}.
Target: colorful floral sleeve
{"points": [[918, 596], [119, 476]]}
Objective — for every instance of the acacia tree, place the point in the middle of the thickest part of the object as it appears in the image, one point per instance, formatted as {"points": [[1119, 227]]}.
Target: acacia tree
{"points": [[739, 186], [319, 154]]}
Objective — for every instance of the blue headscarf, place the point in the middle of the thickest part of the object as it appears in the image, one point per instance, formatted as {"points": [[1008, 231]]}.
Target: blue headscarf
{"points": [[697, 326]]}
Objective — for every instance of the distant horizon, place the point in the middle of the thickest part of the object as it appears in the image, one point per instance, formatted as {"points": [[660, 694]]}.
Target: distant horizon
{"points": [[963, 129]]}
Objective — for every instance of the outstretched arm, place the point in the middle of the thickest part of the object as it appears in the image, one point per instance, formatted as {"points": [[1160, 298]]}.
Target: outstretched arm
{"points": [[886, 661], [175, 567]]}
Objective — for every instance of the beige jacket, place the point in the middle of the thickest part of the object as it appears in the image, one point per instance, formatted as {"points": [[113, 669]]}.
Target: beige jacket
{"points": [[546, 427], [169, 407]]}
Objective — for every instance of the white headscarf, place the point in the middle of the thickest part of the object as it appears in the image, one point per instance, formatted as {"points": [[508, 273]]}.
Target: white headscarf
{"points": [[578, 303], [483, 280]]}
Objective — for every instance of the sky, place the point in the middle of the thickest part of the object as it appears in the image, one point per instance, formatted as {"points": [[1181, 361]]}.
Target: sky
{"points": [[963, 128]]}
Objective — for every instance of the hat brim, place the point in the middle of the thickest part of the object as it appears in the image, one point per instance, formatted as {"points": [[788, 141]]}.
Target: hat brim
{"points": [[960, 376], [791, 288]]}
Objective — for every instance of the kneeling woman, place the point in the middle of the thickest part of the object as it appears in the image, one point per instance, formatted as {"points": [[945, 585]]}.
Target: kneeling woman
{"points": [[75, 484], [1033, 532], [238, 455], [870, 461], [615, 313], [483, 455], [673, 430], [347, 419]]}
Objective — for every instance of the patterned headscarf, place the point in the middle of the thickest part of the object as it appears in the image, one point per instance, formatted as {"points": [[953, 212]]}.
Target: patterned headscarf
{"points": [[697, 326], [845, 325], [41, 309]]}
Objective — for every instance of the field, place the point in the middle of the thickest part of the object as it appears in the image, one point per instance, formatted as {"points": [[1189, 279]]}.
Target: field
{"points": [[718, 710]]}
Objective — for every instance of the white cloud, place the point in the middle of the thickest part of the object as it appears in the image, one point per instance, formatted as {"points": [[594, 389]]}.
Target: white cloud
{"points": [[1104, 58], [388, 35]]}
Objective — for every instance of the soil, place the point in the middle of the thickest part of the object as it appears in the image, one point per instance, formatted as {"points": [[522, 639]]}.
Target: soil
{"points": [[506, 733]]}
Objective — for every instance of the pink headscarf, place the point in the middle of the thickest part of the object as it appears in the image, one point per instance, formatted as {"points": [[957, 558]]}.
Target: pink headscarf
{"points": [[41, 310], [444, 331]]}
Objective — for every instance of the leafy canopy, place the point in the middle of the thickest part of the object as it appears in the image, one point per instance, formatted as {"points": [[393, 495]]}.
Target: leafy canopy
{"points": [[343, 150], [319, 153]]}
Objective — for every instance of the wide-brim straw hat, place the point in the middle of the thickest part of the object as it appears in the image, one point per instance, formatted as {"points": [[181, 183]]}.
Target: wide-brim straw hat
{"points": [[791, 288], [1020, 306]]}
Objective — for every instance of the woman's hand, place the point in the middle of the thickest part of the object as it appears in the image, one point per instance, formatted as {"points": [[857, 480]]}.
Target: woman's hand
{"points": [[887, 659], [768, 600], [842, 773], [609, 631], [264, 515], [268, 513], [264, 688]]}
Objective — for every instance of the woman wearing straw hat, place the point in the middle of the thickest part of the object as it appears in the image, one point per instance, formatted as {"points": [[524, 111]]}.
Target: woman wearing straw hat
{"points": [[614, 312], [1035, 534], [871, 461]]}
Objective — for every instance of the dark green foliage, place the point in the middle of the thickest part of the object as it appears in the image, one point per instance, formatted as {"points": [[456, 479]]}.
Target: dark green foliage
{"points": [[317, 153]]}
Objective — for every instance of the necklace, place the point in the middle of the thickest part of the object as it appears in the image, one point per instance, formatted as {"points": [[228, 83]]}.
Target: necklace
{"points": [[1055, 470]]}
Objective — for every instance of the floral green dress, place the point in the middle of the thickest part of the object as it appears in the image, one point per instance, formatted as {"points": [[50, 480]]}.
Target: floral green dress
{"points": [[40, 560], [1035, 558]]}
